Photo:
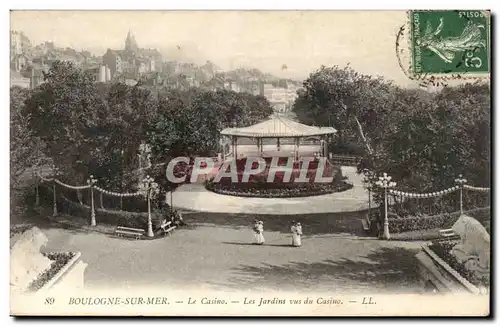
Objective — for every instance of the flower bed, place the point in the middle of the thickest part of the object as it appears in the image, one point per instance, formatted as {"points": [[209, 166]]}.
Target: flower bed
{"points": [[443, 250], [299, 190], [281, 186], [60, 259]]}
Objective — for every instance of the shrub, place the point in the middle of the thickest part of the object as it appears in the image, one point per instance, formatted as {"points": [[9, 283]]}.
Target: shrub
{"points": [[443, 221], [399, 224]]}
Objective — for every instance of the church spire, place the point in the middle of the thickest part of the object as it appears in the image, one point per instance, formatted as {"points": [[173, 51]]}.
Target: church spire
{"points": [[130, 43]]}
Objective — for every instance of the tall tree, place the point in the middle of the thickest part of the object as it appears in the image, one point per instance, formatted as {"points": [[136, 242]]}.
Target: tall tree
{"points": [[65, 113], [25, 149], [340, 97]]}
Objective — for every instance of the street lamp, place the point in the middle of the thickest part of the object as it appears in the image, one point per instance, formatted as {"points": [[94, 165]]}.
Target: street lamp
{"points": [[385, 182], [368, 179], [150, 187], [91, 182], [460, 182], [55, 173]]}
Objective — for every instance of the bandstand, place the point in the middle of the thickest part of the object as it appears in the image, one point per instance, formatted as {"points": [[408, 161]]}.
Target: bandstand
{"points": [[280, 129]]}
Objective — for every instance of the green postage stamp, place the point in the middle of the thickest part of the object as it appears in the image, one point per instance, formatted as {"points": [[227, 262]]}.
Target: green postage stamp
{"points": [[450, 41]]}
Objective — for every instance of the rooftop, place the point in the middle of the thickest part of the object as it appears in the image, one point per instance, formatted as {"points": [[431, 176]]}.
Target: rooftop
{"points": [[277, 126]]}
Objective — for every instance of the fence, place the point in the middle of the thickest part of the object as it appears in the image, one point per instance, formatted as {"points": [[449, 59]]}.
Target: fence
{"points": [[344, 160], [402, 199], [147, 188]]}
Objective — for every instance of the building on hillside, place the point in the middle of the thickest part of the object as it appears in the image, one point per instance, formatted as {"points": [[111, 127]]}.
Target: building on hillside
{"points": [[192, 80], [44, 48], [210, 70], [152, 79], [169, 68], [100, 73], [20, 62], [36, 73], [154, 57], [281, 98], [232, 86], [76, 61], [19, 43], [113, 60], [16, 79], [132, 61]]}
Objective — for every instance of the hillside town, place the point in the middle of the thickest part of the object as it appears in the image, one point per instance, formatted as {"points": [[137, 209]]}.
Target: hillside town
{"points": [[134, 64]]}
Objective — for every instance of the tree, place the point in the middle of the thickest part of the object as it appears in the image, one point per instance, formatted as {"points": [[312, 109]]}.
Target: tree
{"points": [[259, 108], [424, 140], [340, 97], [25, 149], [130, 111], [189, 122], [65, 113], [434, 137]]}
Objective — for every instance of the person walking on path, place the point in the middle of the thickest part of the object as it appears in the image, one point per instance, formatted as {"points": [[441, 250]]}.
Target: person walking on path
{"points": [[296, 234], [255, 231], [259, 232]]}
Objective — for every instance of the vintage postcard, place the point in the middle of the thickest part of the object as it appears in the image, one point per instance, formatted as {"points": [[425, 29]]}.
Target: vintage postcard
{"points": [[250, 163]]}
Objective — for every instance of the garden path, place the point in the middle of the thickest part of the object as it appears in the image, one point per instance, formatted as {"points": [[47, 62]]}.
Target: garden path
{"points": [[221, 257], [196, 198]]}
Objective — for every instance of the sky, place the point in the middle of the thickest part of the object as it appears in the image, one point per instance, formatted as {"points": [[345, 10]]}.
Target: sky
{"points": [[266, 40]]}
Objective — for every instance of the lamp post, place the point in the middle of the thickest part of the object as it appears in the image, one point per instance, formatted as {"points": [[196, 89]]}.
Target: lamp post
{"points": [[91, 181], [150, 187], [54, 175], [385, 182], [460, 182], [36, 171]]}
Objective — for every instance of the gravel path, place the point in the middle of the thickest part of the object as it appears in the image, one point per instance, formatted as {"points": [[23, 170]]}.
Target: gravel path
{"points": [[223, 258]]}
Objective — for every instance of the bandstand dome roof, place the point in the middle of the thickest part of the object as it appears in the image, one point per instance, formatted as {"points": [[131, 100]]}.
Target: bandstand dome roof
{"points": [[277, 126]]}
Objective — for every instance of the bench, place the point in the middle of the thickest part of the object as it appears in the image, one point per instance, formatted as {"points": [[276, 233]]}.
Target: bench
{"points": [[366, 224], [448, 233], [167, 227], [125, 231]]}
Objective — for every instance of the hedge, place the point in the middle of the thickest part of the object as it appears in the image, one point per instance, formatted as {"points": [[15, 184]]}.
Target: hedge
{"points": [[440, 221]]}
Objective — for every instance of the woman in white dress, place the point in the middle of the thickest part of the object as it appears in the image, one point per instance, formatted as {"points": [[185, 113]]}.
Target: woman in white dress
{"points": [[296, 234], [260, 233], [293, 229], [255, 231]]}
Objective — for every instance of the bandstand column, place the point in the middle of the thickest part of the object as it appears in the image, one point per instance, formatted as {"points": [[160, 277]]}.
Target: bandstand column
{"points": [[325, 147], [278, 144], [297, 147], [234, 142]]}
